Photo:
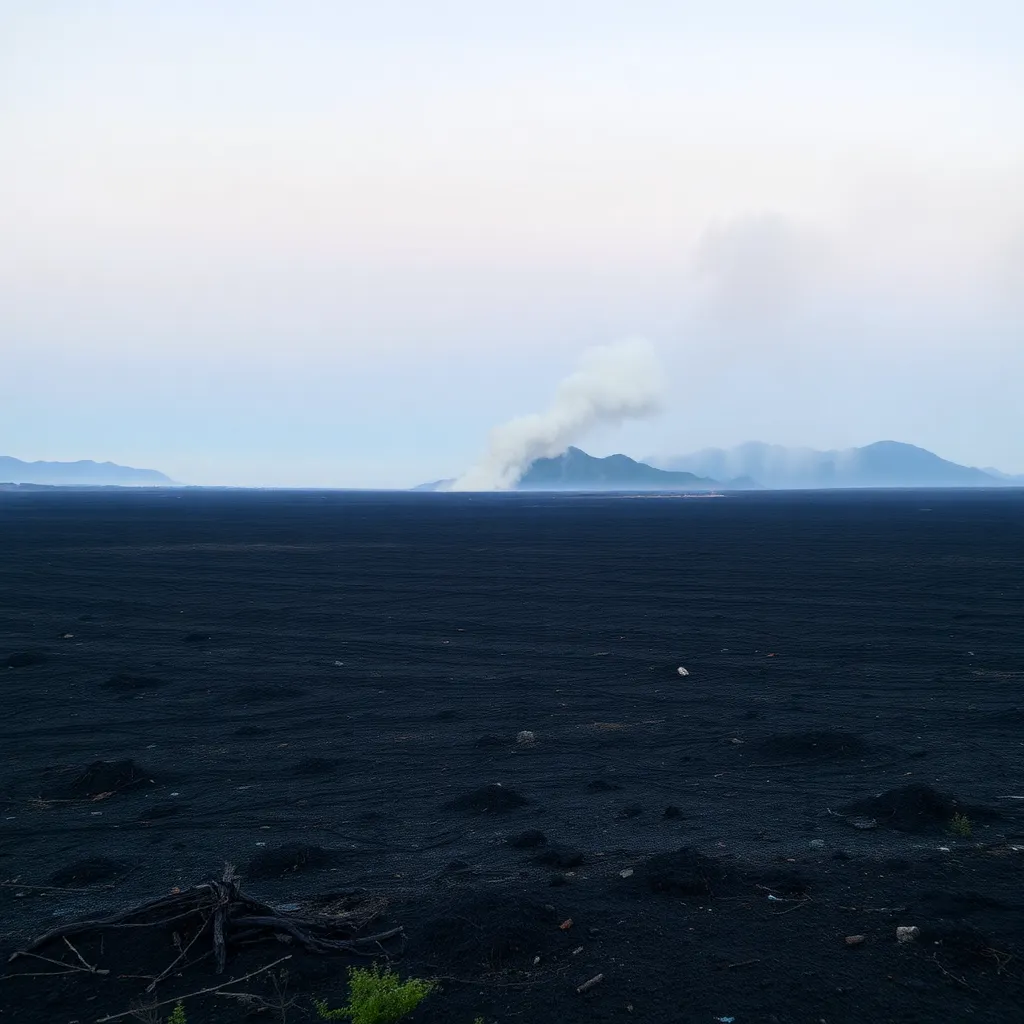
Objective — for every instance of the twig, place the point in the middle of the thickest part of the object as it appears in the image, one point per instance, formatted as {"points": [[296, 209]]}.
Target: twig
{"points": [[181, 956], [797, 904], [742, 963], [949, 974], [81, 959], [200, 992], [54, 888], [589, 984]]}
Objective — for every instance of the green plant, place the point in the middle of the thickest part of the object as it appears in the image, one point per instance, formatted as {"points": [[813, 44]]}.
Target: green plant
{"points": [[178, 1015], [960, 825], [377, 997]]}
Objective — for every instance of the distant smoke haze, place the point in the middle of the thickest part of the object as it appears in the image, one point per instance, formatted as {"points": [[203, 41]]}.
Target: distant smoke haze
{"points": [[614, 383]]}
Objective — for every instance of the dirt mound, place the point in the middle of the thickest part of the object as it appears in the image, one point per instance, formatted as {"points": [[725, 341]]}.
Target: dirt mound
{"points": [[23, 659], [292, 858], [528, 840], [490, 933], [252, 730], [490, 740], [914, 808], [89, 871], [602, 786], [101, 778], [315, 766], [687, 872], [257, 694], [166, 809], [811, 746], [493, 799], [560, 857], [124, 682]]}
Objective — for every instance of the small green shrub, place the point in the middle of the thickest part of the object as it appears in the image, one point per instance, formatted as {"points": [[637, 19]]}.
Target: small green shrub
{"points": [[178, 1015], [960, 825], [377, 997]]}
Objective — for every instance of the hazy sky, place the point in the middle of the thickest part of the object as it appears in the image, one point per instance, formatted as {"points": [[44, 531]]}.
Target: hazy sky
{"points": [[301, 242]]}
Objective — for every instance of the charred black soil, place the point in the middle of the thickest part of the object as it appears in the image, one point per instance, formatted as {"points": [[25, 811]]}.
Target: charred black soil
{"points": [[326, 690]]}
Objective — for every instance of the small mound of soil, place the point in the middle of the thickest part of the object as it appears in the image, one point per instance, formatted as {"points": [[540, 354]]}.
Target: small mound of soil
{"points": [[490, 933], [123, 682], [289, 859], [603, 786], [316, 766], [781, 881], [687, 872], [560, 857], [493, 799], [811, 746], [257, 694], [528, 840], [960, 904], [252, 730], [23, 659], [491, 741], [89, 872], [914, 808], [96, 779], [167, 809]]}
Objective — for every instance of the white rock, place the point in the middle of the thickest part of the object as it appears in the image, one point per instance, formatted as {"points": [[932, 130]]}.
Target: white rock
{"points": [[682, 671], [525, 738], [907, 933]]}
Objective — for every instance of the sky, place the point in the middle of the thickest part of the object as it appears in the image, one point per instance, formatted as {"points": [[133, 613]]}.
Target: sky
{"points": [[300, 243]]}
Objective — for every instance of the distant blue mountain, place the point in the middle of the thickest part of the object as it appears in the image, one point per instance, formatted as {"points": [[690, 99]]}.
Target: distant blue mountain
{"points": [[575, 470], [883, 464], [77, 474]]}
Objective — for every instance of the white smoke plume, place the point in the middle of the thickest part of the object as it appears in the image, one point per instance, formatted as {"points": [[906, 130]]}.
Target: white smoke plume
{"points": [[614, 383]]}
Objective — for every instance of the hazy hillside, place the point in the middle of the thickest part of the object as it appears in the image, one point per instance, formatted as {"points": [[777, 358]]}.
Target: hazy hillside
{"points": [[883, 464], [77, 474]]}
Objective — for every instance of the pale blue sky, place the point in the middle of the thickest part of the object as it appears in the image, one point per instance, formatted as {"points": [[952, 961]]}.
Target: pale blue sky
{"points": [[329, 243]]}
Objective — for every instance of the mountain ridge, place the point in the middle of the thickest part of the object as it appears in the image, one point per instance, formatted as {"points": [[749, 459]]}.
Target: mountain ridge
{"points": [[880, 464], [83, 473]]}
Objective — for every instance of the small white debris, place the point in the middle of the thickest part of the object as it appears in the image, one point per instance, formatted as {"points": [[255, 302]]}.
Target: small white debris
{"points": [[525, 738], [682, 671], [339, 664], [626, 873], [907, 933]]}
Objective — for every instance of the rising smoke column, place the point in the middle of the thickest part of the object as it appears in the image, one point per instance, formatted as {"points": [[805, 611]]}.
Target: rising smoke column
{"points": [[614, 383]]}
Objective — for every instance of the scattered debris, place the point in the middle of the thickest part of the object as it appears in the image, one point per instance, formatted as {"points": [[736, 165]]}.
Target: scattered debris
{"points": [[855, 940], [907, 933], [817, 844], [566, 924], [525, 738], [626, 873], [589, 984]]}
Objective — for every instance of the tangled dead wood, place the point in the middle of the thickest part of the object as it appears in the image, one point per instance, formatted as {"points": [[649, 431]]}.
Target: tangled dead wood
{"points": [[218, 911]]}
